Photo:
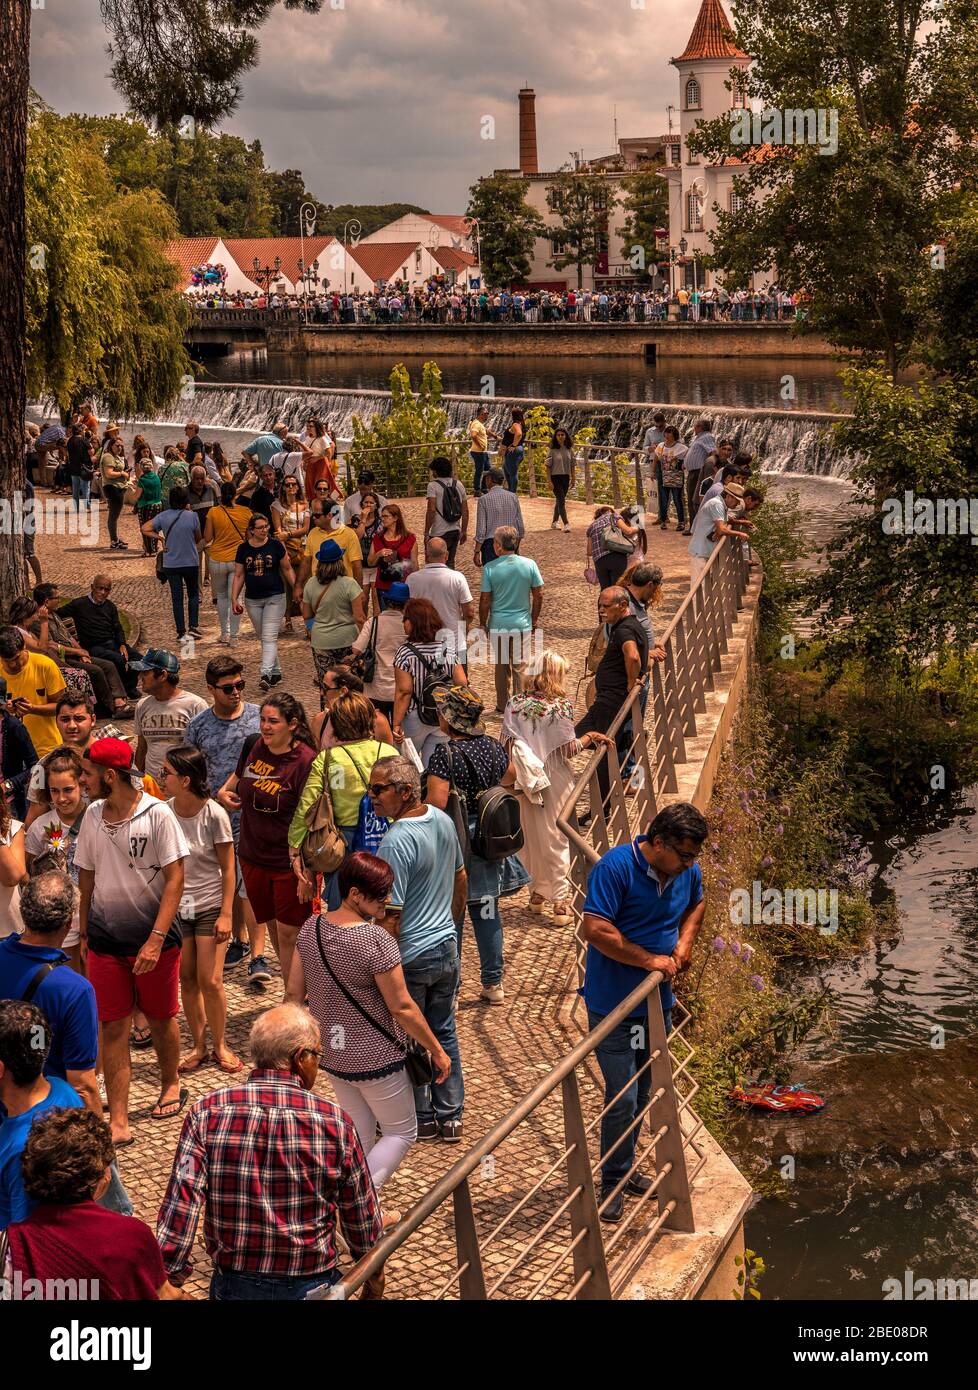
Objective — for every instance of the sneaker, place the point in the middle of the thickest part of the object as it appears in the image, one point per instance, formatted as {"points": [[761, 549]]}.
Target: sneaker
{"points": [[264, 683], [554, 526], [275, 678], [258, 971], [612, 1213], [427, 1129], [638, 1184], [451, 1131], [566, 528], [236, 953], [196, 632], [494, 994]]}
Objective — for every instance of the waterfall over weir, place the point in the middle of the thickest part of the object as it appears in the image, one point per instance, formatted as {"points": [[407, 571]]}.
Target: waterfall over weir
{"points": [[781, 441]]}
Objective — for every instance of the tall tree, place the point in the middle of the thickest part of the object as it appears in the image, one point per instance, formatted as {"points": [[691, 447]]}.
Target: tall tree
{"points": [[508, 227], [580, 203], [646, 203], [848, 214], [178, 62]]}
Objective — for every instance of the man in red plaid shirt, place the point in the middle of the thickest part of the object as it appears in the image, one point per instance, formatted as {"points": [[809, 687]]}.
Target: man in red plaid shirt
{"points": [[274, 1166]]}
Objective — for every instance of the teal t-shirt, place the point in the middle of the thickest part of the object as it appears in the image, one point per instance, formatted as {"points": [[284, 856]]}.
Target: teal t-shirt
{"points": [[151, 489], [509, 578], [425, 855]]}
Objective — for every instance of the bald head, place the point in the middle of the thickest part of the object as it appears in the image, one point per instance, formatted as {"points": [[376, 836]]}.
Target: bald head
{"points": [[612, 603], [436, 551]]}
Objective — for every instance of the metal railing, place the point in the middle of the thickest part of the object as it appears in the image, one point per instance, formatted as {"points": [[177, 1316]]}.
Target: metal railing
{"points": [[550, 1240]]}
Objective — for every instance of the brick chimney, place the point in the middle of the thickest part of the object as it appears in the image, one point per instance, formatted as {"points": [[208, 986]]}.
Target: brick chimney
{"points": [[528, 131]]}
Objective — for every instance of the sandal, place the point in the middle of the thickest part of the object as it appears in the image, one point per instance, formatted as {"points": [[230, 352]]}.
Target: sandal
{"points": [[537, 903], [229, 1071], [167, 1106], [124, 1143], [140, 1037]]}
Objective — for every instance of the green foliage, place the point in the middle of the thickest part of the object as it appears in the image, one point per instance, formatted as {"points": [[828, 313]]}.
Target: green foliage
{"points": [[647, 205], [902, 81], [884, 594], [752, 1269], [508, 227], [580, 203], [104, 315], [400, 444], [538, 434], [777, 538]]}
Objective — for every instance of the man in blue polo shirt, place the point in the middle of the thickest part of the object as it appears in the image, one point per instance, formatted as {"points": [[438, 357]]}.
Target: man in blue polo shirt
{"points": [[643, 910], [34, 968]]}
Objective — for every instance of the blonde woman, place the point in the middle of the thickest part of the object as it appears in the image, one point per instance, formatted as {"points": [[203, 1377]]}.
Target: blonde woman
{"points": [[540, 721]]}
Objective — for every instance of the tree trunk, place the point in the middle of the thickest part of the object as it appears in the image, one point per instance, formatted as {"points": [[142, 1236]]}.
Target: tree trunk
{"points": [[15, 39]]}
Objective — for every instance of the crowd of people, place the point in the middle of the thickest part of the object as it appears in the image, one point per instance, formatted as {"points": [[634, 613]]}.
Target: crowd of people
{"points": [[354, 841], [439, 303]]}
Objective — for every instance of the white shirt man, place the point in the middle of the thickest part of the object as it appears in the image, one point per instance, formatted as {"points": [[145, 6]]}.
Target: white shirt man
{"points": [[447, 590]]}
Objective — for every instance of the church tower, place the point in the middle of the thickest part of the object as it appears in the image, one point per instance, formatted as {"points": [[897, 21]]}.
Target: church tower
{"points": [[704, 69]]}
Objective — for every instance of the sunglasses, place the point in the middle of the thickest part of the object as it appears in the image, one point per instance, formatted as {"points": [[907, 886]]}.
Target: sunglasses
{"points": [[375, 788], [231, 689]]}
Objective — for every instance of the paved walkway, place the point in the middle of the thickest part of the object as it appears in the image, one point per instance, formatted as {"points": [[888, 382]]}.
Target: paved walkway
{"points": [[505, 1050]]}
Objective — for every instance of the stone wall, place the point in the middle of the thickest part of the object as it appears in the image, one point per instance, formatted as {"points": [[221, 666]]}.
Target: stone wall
{"points": [[646, 341]]}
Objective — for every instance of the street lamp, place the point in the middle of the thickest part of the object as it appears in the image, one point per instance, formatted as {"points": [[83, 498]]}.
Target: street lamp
{"points": [[351, 238], [474, 221], [307, 227], [266, 272]]}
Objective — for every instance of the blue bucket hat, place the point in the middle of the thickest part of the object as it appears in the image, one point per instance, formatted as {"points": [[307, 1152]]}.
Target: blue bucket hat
{"points": [[328, 553]]}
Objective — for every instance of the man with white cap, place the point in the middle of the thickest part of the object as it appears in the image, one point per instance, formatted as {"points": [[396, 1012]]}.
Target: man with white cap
{"points": [[711, 524]]}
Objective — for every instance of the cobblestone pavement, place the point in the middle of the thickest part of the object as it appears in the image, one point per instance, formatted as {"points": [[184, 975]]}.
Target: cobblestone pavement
{"points": [[505, 1050]]}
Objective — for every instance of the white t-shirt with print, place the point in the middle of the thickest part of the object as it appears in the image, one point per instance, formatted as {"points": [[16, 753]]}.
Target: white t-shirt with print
{"points": [[162, 723]]}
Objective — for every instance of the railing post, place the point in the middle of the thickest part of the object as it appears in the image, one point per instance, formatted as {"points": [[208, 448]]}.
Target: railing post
{"points": [[674, 1186], [615, 482], [588, 481], [589, 1255], [472, 1279]]}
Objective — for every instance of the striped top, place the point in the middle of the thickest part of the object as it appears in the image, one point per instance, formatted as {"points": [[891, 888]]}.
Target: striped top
{"points": [[497, 507]]}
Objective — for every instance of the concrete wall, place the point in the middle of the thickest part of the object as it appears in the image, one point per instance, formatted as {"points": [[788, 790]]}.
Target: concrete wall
{"points": [[584, 340]]}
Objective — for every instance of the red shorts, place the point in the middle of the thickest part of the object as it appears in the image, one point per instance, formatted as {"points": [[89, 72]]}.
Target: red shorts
{"points": [[118, 990], [274, 894]]}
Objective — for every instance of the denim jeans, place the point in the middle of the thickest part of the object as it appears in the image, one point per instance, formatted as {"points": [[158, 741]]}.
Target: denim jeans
{"points": [[661, 491], [266, 616], [432, 982], [81, 491], [115, 1197], [620, 1056], [188, 575], [511, 467], [480, 462], [488, 927], [227, 1286], [222, 575]]}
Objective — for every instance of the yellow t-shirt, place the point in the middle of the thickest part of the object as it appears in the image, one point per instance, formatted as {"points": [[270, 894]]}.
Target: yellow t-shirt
{"points": [[230, 525], [479, 437], [345, 537], [41, 683]]}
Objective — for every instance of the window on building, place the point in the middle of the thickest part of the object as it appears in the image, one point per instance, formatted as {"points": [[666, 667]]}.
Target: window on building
{"points": [[694, 213], [691, 156], [736, 202], [557, 245], [692, 94], [601, 200], [739, 92], [677, 153], [417, 260]]}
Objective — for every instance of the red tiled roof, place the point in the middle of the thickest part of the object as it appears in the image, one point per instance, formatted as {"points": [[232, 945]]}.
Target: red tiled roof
{"points": [[384, 260], [712, 35], [288, 248], [189, 252], [450, 259], [452, 223]]}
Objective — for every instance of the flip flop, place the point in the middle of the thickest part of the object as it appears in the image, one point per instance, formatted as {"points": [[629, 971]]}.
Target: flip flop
{"points": [[229, 1071], [140, 1037], [124, 1143], [166, 1104]]}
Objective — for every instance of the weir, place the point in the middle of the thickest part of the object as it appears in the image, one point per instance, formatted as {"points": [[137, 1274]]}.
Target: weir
{"points": [[783, 441]]}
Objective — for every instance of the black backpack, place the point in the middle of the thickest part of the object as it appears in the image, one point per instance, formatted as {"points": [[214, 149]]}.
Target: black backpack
{"points": [[498, 828], [451, 501], [435, 677]]}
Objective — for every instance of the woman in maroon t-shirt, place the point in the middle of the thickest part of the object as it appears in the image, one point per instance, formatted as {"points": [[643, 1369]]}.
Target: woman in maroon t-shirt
{"points": [[393, 545], [266, 787]]}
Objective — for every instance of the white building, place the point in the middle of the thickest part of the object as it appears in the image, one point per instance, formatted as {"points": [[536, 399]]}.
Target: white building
{"points": [[281, 263], [706, 91]]}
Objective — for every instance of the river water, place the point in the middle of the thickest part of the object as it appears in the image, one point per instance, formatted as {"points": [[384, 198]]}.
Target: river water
{"points": [[817, 1241]]}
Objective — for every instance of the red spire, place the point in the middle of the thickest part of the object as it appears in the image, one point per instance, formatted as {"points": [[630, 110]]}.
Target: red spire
{"points": [[712, 36]]}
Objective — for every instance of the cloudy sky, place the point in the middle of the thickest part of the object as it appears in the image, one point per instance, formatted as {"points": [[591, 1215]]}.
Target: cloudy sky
{"points": [[384, 100]]}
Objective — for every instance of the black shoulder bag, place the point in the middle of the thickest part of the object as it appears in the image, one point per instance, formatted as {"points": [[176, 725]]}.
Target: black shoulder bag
{"points": [[417, 1061]]}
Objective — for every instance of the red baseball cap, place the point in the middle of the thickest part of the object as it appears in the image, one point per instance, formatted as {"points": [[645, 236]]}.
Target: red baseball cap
{"points": [[111, 752]]}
